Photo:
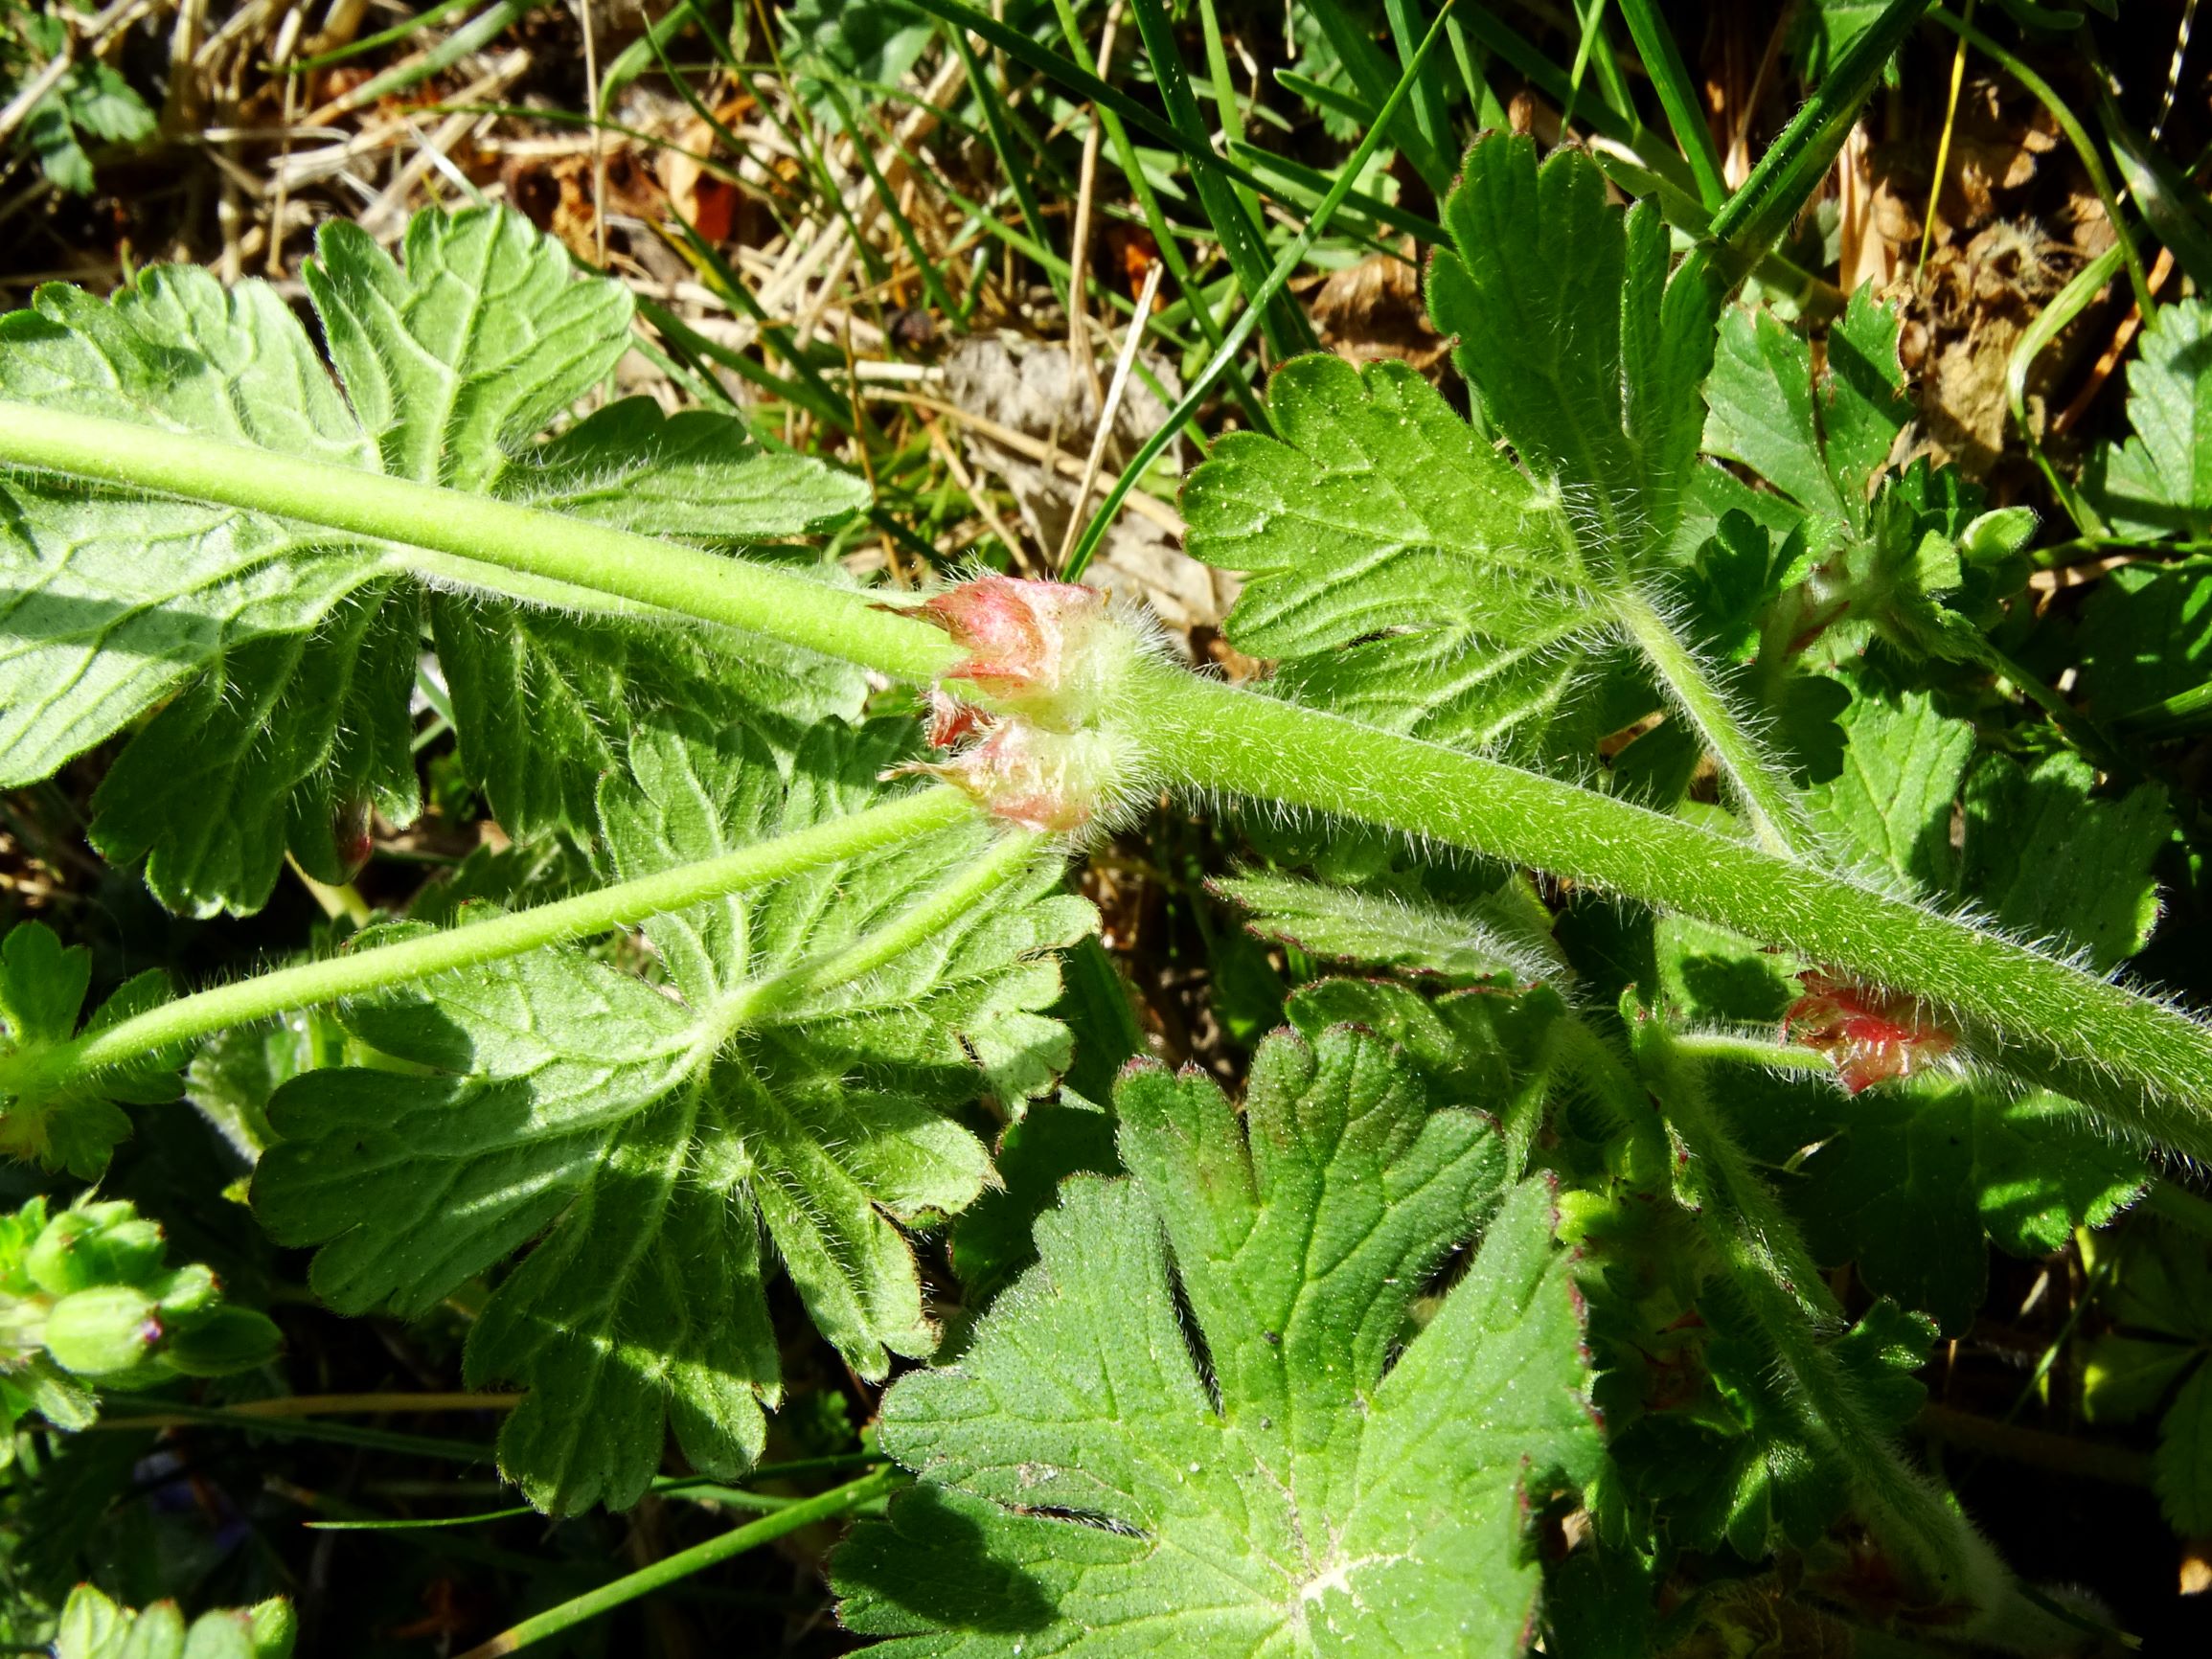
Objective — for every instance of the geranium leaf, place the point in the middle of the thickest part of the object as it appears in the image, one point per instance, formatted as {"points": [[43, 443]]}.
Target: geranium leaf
{"points": [[42, 988], [1819, 441], [642, 1139], [2159, 482], [1094, 1486], [1730, 1466], [1585, 356], [1405, 570], [2053, 863], [2182, 1471], [293, 645], [1398, 566], [2146, 635], [1911, 1178], [1889, 810], [1496, 936]]}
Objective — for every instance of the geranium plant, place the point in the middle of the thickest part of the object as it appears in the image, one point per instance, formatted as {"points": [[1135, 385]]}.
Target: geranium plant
{"points": [[1518, 1239]]}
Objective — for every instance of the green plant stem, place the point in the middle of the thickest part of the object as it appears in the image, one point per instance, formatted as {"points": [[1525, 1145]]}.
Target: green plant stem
{"points": [[1766, 1262], [937, 910], [622, 904], [829, 1506], [2058, 1453], [1730, 1049], [1757, 784], [2069, 303], [2148, 1066], [495, 535]]}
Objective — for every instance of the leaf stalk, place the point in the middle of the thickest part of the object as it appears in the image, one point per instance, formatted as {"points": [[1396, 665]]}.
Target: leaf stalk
{"points": [[37, 1071]]}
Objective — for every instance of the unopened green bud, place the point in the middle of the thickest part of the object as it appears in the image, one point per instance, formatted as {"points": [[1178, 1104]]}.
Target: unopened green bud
{"points": [[94, 1244], [275, 1628], [1997, 534], [96, 1333], [186, 1295], [230, 1339]]}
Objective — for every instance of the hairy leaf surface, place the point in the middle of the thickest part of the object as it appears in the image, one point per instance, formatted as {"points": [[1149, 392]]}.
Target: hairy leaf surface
{"points": [[1098, 1479], [1404, 569], [1820, 439], [286, 652], [1496, 936], [644, 1136], [2159, 482]]}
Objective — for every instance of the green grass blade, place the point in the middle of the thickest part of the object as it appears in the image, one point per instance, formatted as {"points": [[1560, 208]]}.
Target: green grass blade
{"points": [[1094, 532], [1191, 292], [1753, 219], [646, 49], [1306, 186], [832, 1505], [1431, 112], [1000, 122], [473, 36], [2174, 207], [1370, 73], [391, 37], [1244, 242], [311, 1428], [888, 197], [1677, 97], [1489, 112]]}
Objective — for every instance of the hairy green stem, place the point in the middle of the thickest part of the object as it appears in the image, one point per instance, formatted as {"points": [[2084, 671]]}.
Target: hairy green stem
{"points": [[1757, 784], [1731, 1049], [829, 1506], [189, 1018], [2147, 1065], [836, 622], [1767, 1263]]}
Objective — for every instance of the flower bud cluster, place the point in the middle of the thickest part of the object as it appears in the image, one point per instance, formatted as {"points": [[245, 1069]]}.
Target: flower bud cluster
{"points": [[89, 1293], [1872, 1036], [1032, 725]]}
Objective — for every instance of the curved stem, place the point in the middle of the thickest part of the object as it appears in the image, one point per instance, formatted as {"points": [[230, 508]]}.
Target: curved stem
{"points": [[1732, 1049], [500, 534], [1767, 1263], [2145, 1064], [191, 1017], [1757, 784], [827, 1506], [2069, 303]]}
